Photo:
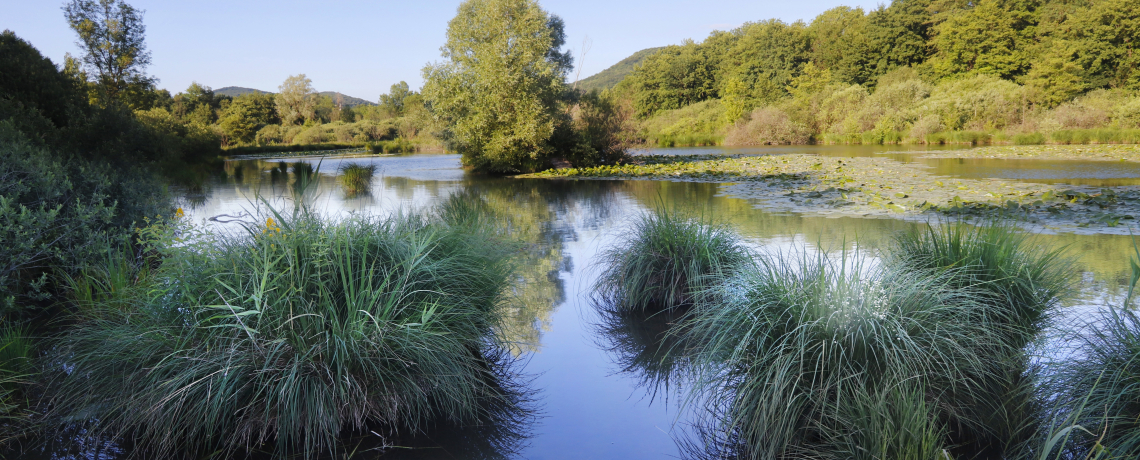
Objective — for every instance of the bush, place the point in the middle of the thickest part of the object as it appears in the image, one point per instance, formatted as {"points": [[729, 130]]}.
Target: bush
{"points": [[767, 125], [295, 334], [666, 261]]}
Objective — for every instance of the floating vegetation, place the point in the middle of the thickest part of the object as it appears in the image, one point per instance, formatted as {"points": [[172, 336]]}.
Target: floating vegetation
{"points": [[881, 186], [356, 178]]}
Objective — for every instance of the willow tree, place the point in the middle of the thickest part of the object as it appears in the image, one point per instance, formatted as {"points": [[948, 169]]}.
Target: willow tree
{"points": [[499, 90], [113, 39]]}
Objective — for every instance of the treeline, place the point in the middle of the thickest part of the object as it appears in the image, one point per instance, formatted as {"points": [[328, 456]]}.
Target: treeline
{"points": [[296, 116], [1024, 71]]}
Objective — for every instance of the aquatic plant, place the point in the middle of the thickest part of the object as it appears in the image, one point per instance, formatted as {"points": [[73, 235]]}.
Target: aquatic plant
{"points": [[665, 260], [1023, 280], [293, 335], [356, 178], [1022, 284], [1096, 392], [800, 355]]}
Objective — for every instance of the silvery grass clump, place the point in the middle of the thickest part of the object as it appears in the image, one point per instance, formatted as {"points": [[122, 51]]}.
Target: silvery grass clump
{"points": [[665, 261], [356, 178], [293, 335], [807, 355], [1095, 393], [1023, 284]]}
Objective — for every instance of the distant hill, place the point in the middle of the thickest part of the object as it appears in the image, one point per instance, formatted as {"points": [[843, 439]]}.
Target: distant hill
{"points": [[235, 91], [610, 77]]}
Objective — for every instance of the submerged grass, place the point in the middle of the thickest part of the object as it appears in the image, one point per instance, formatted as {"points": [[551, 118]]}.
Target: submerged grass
{"points": [[666, 260], [293, 335], [356, 178]]}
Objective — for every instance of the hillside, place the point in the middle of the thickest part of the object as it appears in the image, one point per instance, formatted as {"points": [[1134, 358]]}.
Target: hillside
{"points": [[235, 91], [606, 79]]}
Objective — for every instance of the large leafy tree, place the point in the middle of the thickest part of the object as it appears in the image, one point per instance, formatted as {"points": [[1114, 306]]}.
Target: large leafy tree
{"points": [[113, 39], [499, 90], [296, 100]]}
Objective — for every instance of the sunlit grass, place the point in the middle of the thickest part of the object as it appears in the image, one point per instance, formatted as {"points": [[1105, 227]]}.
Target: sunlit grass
{"points": [[293, 335], [664, 259]]}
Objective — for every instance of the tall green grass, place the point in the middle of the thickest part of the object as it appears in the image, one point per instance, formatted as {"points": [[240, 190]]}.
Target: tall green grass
{"points": [[356, 178], [1096, 390], [799, 351], [292, 336], [15, 372], [665, 260], [1021, 284]]}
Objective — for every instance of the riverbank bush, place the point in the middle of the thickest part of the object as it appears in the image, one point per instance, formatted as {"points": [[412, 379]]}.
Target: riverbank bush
{"points": [[292, 335], [666, 260]]}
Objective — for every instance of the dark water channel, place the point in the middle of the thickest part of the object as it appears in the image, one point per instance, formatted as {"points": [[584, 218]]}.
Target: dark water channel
{"points": [[587, 376]]}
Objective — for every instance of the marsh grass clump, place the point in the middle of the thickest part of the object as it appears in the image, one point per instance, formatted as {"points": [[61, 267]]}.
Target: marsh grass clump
{"points": [[1025, 281], [665, 261], [356, 178], [291, 336], [1022, 283], [800, 356], [1096, 393]]}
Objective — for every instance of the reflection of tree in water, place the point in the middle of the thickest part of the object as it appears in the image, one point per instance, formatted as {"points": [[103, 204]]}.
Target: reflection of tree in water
{"points": [[542, 215]]}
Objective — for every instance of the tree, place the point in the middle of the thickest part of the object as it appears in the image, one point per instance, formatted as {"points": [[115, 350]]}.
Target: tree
{"points": [[247, 114], [393, 102], [112, 37], [296, 100], [499, 91]]}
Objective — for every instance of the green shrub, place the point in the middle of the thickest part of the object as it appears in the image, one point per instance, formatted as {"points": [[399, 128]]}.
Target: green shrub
{"points": [[1029, 139], [666, 260], [293, 335]]}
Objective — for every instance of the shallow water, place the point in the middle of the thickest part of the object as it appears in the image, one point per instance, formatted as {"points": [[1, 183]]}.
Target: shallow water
{"points": [[591, 381]]}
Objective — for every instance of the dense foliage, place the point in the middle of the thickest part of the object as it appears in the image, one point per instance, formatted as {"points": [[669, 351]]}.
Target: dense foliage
{"points": [[909, 71], [502, 96]]}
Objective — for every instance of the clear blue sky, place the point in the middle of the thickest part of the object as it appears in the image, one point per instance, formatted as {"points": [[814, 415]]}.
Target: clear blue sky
{"points": [[360, 48]]}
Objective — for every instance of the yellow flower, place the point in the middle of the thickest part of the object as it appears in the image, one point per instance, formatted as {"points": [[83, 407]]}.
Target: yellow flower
{"points": [[271, 224], [179, 214]]}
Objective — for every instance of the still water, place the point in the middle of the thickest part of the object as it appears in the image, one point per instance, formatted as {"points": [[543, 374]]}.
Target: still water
{"points": [[593, 394]]}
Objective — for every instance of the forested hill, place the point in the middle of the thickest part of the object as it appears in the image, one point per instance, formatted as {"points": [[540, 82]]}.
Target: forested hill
{"points": [[606, 79], [235, 91], [904, 71]]}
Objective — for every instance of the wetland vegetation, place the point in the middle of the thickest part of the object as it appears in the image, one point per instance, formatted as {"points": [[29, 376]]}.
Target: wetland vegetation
{"points": [[144, 314]]}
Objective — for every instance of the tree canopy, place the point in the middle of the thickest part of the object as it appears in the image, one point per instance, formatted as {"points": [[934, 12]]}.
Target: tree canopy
{"points": [[499, 88]]}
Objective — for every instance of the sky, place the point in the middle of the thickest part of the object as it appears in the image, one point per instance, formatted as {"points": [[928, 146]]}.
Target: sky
{"points": [[361, 48]]}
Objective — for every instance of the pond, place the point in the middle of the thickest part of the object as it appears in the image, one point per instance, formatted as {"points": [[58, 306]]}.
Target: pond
{"points": [[591, 398]]}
